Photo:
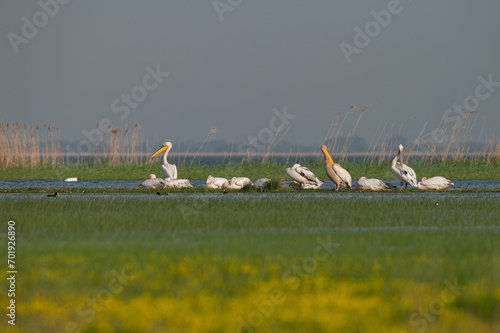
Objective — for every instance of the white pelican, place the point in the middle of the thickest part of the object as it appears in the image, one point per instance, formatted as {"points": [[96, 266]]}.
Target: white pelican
{"points": [[261, 182], [178, 182], [215, 182], [169, 170], [237, 183], [335, 172], [151, 182], [403, 172], [434, 183], [304, 176], [373, 184]]}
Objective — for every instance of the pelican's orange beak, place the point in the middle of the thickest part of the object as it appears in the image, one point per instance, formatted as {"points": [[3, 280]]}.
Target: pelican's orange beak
{"points": [[163, 148]]}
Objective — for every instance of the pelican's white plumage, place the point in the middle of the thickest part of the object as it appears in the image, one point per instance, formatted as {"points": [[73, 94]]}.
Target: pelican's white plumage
{"points": [[373, 184], [237, 183], [178, 182], [304, 176], [434, 183], [169, 170], [261, 182], [151, 182], [402, 171], [215, 182]]}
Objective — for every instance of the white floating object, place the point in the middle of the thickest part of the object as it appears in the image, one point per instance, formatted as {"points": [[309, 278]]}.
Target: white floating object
{"points": [[73, 179]]}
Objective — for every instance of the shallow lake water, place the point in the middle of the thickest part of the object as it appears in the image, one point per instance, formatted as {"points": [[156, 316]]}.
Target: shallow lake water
{"points": [[39, 183]]}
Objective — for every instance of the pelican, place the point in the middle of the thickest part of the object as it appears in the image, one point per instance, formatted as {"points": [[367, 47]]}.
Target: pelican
{"points": [[237, 183], [151, 182], [169, 170], [178, 182], [259, 183], [373, 184], [304, 176], [434, 183], [335, 172], [215, 182], [403, 172]]}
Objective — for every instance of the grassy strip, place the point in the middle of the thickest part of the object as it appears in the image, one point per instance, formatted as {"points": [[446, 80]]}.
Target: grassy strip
{"points": [[465, 169], [243, 191], [208, 264]]}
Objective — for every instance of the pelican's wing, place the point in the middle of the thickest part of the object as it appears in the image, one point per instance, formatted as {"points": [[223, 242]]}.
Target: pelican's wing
{"points": [[243, 181], [343, 174], [219, 182], [169, 171], [292, 173], [306, 173], [372, 182], [180, 182], [151, 183], [362, 183], [437, 181], [411, 175]]}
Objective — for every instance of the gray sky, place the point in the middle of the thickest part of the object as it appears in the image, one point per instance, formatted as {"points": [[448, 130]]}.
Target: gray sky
{"points": [[231, 73]]}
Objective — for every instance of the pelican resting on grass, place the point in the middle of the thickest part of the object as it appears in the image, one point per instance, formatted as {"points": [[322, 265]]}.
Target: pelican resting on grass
{"points": [[261, 182], [304, 177], [178, 182], [169, 170], [237, 183], [434, 183], [403, 172], [306, 186], [151, 182], [215, 182], [373, 184], [335, 172]]}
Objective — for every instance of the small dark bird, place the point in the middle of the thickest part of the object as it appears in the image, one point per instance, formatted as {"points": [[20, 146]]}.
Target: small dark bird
{"points": [[52, 195], [225, 192], [158, 193]]}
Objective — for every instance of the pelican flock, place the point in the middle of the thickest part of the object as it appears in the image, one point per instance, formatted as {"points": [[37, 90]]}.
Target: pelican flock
{"points": [[303, 177]]}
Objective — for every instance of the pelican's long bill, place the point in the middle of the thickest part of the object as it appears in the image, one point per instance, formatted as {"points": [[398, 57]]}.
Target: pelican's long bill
{"points": [[162, 149]]}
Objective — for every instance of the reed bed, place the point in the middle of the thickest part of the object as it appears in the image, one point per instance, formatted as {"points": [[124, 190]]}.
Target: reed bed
{"points": [[23, 145], [36, 146]]}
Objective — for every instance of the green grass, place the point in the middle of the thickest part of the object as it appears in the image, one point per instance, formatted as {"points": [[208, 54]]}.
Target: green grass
{"points": [[201, 262], [465, 169], [245, 190]]}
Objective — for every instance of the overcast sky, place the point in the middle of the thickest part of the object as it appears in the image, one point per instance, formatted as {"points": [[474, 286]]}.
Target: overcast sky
{"points": [[232, 65]]}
